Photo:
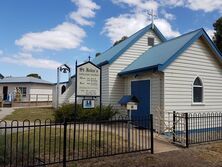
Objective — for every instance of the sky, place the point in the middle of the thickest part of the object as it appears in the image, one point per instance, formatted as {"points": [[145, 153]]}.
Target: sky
{"points": [[37, 36]]}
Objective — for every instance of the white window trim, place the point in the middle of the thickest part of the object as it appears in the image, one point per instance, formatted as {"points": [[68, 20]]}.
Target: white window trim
{"points": [[203, 101]]}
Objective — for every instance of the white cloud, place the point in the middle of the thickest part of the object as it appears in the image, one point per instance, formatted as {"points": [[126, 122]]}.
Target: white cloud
{"points": [[64, 36], [139, 4], [204, 5], [127, 24], [210, 33], [86, 9], [167, 15], [1, 52], [86, 49], [30, 61]]}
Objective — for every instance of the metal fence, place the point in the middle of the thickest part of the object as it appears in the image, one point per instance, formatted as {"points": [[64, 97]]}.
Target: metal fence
{"points": [[194, 128], [44, 143]]}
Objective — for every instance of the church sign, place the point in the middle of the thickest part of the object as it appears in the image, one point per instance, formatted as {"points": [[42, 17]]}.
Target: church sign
{"points": [[88, 80]]}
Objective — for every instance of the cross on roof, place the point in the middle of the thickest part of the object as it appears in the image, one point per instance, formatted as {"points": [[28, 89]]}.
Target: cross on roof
{"points": [[89, 57], [153, 16]]}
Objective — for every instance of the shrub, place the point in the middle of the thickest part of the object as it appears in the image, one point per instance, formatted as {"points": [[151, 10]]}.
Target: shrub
{"points": [[67, 111]]}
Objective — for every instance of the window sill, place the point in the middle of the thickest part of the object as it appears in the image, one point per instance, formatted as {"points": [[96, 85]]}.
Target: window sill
{"points": [[198, 104]]}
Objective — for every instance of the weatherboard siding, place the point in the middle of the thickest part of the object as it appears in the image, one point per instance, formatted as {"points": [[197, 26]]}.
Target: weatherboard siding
{"points": [[179, 76], [116, 83], [156, 93], [105, 84]]}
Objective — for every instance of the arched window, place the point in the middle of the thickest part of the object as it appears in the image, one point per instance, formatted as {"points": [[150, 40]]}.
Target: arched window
{"points": [[197, 91], [63, 89]]}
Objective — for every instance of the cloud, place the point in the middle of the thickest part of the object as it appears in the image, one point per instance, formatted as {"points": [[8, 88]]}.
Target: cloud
{"points": [[138, 4], [67, 35], [127, 24], [204, 5], [1, 52], [28, 60], [86, 9], [64, 36], [167, 15], [86, 49], [210, 33]]}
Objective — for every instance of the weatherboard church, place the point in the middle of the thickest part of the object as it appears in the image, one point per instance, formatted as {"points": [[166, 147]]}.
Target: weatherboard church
{"points": [[183, 74]]}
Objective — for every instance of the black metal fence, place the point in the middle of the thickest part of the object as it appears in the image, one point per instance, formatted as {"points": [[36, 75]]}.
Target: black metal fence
{"points": [[194, 128], [43, 143]]}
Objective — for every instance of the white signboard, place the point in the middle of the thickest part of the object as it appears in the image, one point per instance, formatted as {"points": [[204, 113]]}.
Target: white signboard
{"points": [[88, 80]]}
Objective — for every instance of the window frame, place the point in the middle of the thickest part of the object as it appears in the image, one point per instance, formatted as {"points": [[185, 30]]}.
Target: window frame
{"points": [[200, 86], [22, 90]]}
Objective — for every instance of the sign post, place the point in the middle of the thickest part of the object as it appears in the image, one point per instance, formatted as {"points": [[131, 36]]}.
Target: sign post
{"points": [[88, 85]]}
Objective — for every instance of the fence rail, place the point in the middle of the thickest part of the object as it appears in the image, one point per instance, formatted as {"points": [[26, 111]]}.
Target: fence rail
{"points": [[194, 128], [41, 143]]}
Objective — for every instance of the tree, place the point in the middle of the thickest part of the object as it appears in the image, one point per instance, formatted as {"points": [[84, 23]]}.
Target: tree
{"points": [[122, 39], [97, 54], [34, 75], [218, 33]]}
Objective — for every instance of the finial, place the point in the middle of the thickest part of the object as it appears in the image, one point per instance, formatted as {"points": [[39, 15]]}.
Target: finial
{"points": [[153, 16]]}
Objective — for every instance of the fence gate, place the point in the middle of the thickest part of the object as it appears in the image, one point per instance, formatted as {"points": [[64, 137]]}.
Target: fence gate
{"points": [[43, 143], [194, 128]]}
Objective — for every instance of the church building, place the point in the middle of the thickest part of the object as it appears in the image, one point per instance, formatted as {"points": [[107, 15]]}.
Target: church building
{"points": [[183, 74]]}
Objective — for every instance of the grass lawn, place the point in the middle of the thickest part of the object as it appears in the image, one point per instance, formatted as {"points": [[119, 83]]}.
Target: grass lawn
{"points": [[47, 144], [31, 114]]}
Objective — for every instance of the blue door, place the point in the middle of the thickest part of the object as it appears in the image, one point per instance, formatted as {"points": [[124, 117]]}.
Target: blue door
{"points": [[141, 89]]}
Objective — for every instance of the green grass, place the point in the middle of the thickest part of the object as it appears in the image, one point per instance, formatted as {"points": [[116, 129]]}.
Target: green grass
{"points": [[31, 114]]}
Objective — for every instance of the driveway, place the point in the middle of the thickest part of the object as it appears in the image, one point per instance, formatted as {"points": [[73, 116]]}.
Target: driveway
{"points": [[5, 111]]}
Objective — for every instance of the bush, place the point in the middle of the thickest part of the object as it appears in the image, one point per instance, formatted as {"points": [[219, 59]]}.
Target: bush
{"points": [[67, 111]]}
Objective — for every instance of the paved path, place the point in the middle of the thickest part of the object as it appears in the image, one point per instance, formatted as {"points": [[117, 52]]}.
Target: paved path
{"points": [[5, 111]]}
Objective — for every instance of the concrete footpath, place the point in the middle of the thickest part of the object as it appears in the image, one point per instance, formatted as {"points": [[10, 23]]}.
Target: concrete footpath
{"points": [[5, 111]]}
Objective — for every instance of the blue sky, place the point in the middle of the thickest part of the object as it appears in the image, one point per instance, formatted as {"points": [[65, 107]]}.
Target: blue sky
{"points": [[37, 36]]}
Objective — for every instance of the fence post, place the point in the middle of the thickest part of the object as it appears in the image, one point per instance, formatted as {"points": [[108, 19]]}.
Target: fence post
{"points": [[129, 126], [64, 142], [151, 135], [187, 130], [174, 126]]}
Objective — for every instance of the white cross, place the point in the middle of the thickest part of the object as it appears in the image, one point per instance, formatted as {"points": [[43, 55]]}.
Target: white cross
{"points": [[153, 16]]}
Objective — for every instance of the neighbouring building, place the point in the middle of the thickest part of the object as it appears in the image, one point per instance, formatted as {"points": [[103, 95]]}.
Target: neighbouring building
{"points": [[183, 74], [25, 91]]}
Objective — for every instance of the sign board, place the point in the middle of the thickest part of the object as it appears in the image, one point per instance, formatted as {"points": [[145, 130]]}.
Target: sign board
{"points": [[88, 103], [88, 80], [131, 106]]}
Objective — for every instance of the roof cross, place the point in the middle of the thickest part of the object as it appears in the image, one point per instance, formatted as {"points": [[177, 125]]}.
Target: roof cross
{"points": [[153, 16], [89, 57]]}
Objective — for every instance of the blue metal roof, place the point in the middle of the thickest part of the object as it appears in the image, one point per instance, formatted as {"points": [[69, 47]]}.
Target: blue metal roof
{"points": [[160, 56], [114, 52]]}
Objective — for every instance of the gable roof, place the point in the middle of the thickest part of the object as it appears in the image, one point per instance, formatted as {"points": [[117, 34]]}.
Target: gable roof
{"points": [[114, 52], [11, 80], [160, 56]]}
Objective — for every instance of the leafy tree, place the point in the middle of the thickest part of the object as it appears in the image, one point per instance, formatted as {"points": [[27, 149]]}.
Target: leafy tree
{"points": [[97, 54], [34, 75], [218, 33], [122, 39]]}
